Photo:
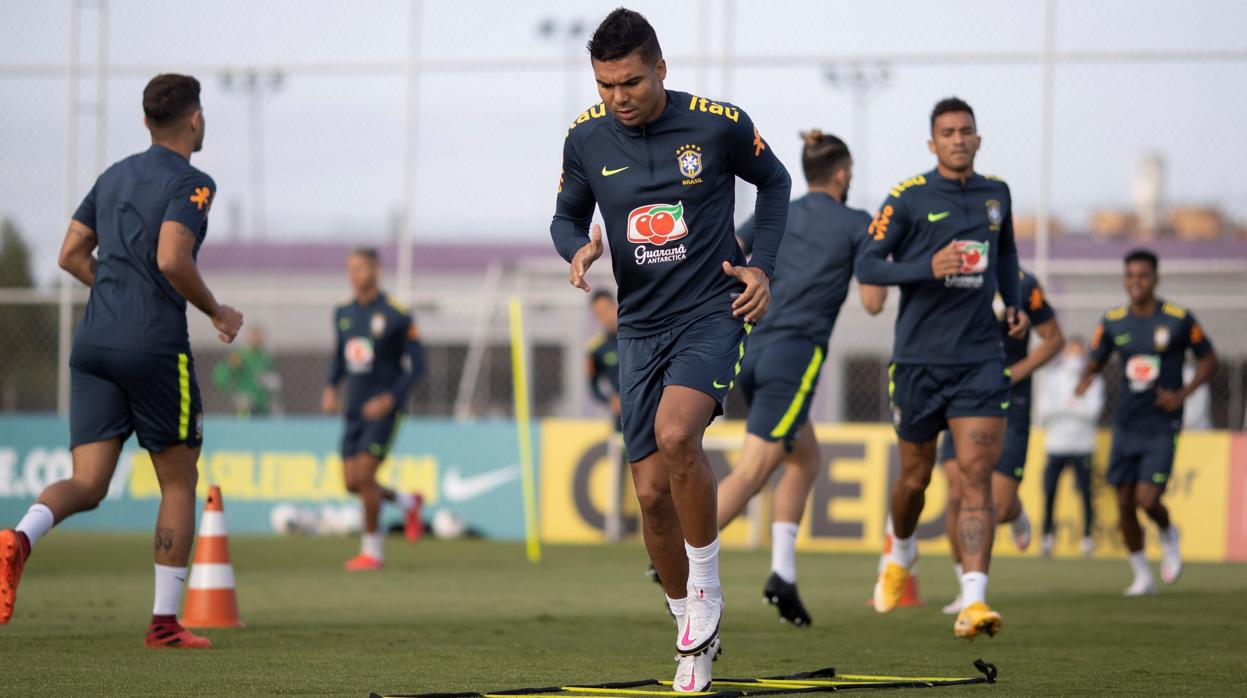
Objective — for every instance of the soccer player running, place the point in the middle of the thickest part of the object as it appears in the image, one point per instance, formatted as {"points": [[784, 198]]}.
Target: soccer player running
{"points": [[784, 356], [661, 166], [131, 368], [379, 353], [1151, 338], [603, 351], [950, 236], [1007, 476]]}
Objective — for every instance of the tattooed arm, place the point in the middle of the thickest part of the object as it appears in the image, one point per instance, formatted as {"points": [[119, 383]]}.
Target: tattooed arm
{"points": [[75, 257]]}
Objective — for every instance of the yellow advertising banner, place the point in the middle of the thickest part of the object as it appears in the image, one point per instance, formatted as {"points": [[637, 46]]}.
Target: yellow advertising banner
{"points": [[848, 504]]}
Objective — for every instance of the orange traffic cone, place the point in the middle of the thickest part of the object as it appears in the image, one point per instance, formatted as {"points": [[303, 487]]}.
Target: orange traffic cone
{"points": [[210, 598], [910, 597]]}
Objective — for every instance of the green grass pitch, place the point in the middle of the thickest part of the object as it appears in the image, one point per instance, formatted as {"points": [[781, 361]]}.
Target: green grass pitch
{"points": [[477, 616]]}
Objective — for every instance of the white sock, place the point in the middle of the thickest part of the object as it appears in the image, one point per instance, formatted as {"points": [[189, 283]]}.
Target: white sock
{"points": [[703, 568], [784, 550], [677, 609], [1138, 563], [959, 571], [1166, 535], [974, 587], [370, 545], [169, 583], [404, 500], [904, 550], [37, 521]]}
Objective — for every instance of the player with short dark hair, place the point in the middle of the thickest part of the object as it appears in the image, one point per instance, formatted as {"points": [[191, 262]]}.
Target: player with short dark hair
{"points": [[380, 355], [784, 356], [131, 368], [949, 233], [661, 166], [603, 351], [1022, 363], [1151, 337]]}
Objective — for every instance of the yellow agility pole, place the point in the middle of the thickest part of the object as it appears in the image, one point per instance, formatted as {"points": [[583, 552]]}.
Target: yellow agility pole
{"points": [[523, 423]]}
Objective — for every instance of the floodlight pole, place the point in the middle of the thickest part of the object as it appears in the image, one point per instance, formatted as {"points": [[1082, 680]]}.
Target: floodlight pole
{"points": [[1043, 216], [861, 80], [255, 86], [404, 243]]}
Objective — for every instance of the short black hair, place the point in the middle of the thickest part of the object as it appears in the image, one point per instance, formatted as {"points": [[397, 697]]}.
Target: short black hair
{"points": [[1142, 254], [622, 33], [600, 295], [369, 253], [949, 105], [168, 98], [822, 155]]}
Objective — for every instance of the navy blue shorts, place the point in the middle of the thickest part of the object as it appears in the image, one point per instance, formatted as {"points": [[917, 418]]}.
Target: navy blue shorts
{"points": [[924, 397], [1012, 461], [704, 355], [116, 392], [1144, 455], [369, 437], [778, 380]]}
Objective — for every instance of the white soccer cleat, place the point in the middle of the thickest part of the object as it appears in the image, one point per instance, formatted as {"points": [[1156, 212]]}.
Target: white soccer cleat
{"points": [[1142, 586], [954, 607], [1046, 544], [692, 673], [1021, 528], [1088, 546], [1171, 557], [701, 623]]}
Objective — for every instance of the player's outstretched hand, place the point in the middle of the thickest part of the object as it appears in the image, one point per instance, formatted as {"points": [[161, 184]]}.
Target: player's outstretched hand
{"points": [[227, 322], [752, 304], [329, 400], [585, 258], [946, 262], [378, 407], [1019, 323], [1168, 400]]}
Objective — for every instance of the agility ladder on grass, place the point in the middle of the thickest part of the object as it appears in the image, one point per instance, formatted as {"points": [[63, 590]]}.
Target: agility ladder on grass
{"points": [[818, 681]]}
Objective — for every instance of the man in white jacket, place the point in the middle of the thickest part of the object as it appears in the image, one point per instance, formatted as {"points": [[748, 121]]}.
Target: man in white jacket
{"points": [[1070, 425]]}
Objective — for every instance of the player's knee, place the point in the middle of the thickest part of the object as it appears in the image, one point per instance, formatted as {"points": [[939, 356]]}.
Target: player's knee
{"points": [[678, 445], [915, 479], [1148, 501], [91, 493], [652, 498]]}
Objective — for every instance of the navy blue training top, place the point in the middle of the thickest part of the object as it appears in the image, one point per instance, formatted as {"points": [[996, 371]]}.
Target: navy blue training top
{"points": [[378, 350], [949, 320], [812, 270], [667, 193], [132, 305], [1152, 351]]}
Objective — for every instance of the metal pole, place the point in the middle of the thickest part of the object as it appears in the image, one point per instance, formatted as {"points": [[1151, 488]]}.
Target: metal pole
{"points": [[66, 306], [1043, 222], [101, 86], [403, 245], [255, 109]]}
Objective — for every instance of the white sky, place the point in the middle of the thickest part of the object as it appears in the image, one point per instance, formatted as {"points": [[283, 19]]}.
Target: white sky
{"points": [[489, 143]]}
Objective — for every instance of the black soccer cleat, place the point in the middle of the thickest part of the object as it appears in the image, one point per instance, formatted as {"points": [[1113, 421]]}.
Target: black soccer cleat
{"points": [[783, 596]]}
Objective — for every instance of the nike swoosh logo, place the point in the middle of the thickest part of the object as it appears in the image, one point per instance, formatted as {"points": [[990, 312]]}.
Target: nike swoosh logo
{"points": [[718, 385], [607, 173], [692, 682], [688, 628], [937, 217], [458, 488]]}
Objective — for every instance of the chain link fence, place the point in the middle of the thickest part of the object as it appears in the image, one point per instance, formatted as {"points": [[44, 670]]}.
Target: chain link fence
{"points": [[433, 131]]}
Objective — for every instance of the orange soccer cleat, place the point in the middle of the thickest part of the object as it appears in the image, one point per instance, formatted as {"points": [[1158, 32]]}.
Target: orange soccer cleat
{"points": [[363, 563], [13, 552], [414, 525], [169, 634]]}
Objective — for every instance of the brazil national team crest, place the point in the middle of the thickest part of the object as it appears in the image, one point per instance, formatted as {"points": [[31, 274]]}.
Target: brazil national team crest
{"points": [[995, 216], [688, 157], [656, 224], [378, 324], [1160, 338]]}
